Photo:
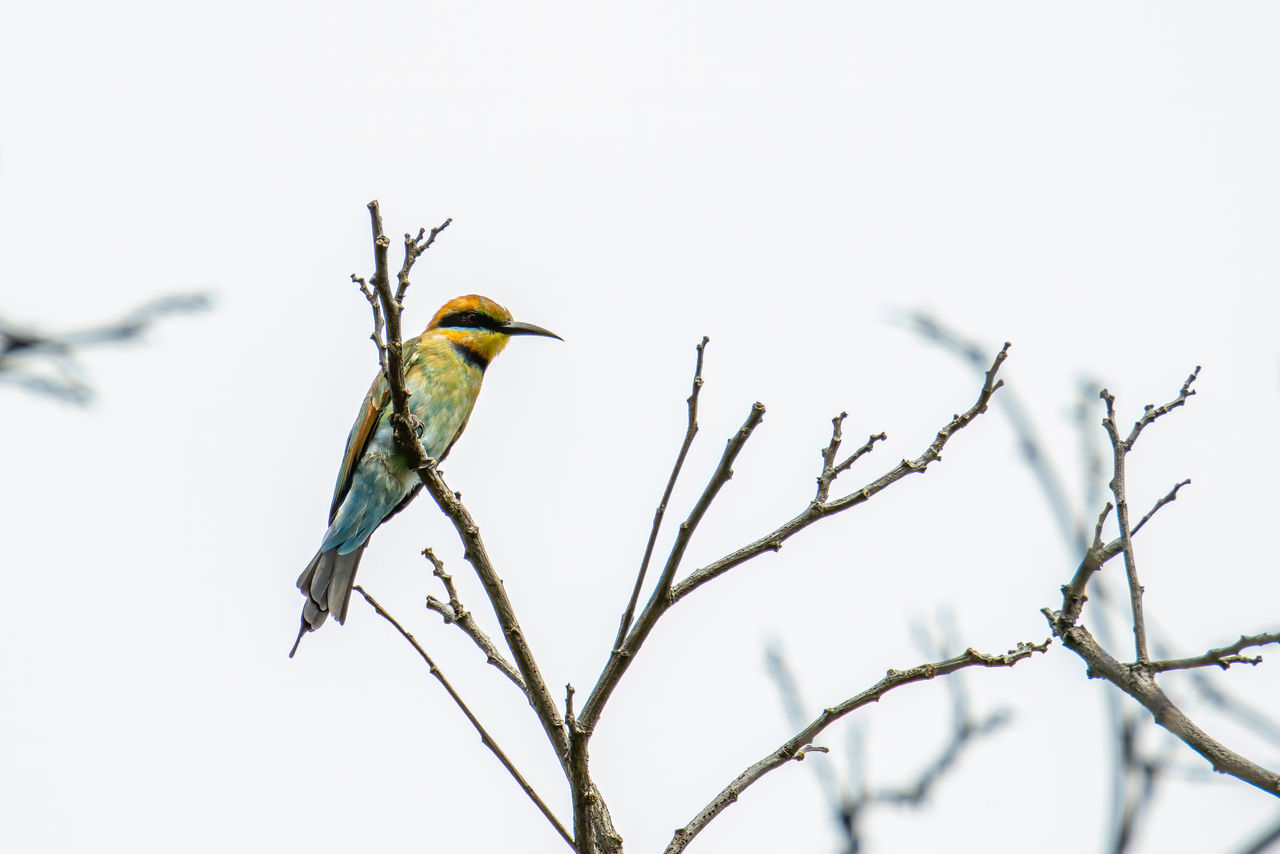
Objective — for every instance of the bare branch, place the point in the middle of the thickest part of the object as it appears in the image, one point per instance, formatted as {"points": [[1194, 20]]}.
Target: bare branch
{"points": [[454, 612], [450, 503], [413, 247], [665, 595], [1140, 685], [1138, 679], [793, 748], [1120, 450], [1151, 413], [848, 807], [579, 779], [477, 555], [1168, 498], [773, 541], [690, 432], [474, 550], [662, 599], [830, 469], [485, 738], [1222, 657], [1030, 447], [378, 326], [1073, 595], [1071, 525]]}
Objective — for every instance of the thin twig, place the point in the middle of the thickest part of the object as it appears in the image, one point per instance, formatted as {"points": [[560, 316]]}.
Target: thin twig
{"points": [[485, 738], [454, 612], [413, 247], [1030, 447], [662, 599], [1222, 657], [378, 325], [830, 469], [773, 541], [793, 748], [1120, 450], [690, 432], [1170, 496], [478, 556], [848, 807]]}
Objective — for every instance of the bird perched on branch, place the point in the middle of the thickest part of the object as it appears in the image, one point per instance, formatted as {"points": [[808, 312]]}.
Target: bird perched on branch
{"points": [[443, 368]]}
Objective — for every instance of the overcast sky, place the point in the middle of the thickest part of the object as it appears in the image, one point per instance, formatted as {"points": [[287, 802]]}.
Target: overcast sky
{"points": [[1095, 182]]}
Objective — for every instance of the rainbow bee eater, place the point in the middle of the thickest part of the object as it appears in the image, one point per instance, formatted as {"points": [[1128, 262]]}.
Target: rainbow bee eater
{"points": [[443, 368]]}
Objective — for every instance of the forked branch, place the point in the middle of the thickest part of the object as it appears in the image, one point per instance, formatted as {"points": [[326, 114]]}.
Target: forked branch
{"points": [[667, 591], [454, 612], [1138, 679]]}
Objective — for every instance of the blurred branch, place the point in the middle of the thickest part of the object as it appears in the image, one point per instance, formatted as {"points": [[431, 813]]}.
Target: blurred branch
{"points": [[1266, 840], [794, 747], [838, 800], [45, 362], [1258, 721], [847, 806], [1130, 794], [1031, 448]]}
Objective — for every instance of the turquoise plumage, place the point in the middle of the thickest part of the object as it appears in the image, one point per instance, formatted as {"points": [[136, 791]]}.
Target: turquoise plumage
{"points": [[443, 370]]}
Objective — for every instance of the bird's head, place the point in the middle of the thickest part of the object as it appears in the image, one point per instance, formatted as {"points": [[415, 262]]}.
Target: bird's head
{"points": [[480, 326]]}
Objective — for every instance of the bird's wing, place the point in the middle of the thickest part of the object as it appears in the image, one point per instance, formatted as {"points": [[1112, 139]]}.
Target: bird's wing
{"points": [[375, 403], [372, 411]]}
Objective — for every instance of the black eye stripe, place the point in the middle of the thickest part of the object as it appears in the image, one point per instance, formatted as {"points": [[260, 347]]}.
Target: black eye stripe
{"points": [[469, 320]]}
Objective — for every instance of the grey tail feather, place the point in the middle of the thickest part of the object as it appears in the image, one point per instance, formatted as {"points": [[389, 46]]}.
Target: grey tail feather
{"points": [[344, 578], [327, 583], [302, 631]]}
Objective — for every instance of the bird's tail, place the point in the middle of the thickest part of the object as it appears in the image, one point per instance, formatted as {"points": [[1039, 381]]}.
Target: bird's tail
{"points": [[327, 583]]}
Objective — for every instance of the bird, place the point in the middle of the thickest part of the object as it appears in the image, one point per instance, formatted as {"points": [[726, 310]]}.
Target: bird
{"points": [[443, 369]]}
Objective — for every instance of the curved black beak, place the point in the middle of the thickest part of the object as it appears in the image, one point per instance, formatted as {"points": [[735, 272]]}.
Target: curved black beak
{"points": [[515, 327]]}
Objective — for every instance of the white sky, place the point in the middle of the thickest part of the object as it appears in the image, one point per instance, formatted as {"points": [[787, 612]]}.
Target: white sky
{"points": [[1095, 182]]}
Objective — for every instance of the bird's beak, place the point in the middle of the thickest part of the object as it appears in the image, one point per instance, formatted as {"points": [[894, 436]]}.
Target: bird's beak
{"points": [[515, 327]]}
